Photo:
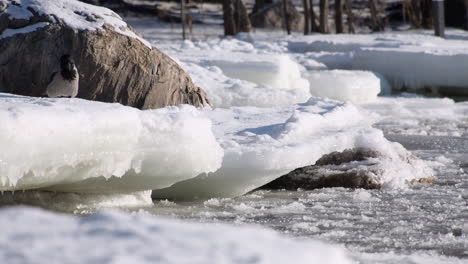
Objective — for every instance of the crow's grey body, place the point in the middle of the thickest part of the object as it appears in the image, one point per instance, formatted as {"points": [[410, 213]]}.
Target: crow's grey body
{"points": [[64, 83]]}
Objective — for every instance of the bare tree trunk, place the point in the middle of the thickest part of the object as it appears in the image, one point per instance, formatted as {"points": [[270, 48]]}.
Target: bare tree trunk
{"points": [[349, 11], [324, 16], [374, 15], [305, 3], [286, 17], [338, 16], [313, 17], [235, 17], [228, 18], [182, 17], [466, 14]]}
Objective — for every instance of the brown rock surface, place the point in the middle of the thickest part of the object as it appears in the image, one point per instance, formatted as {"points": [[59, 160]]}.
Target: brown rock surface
{"points": [[113, 67], [352, 168]]}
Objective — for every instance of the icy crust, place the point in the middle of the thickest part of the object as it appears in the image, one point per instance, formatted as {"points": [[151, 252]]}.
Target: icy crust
{"points": [[140, 238], [411, 114], [354, 86], [412, 61], [84, 146], [261, 145], [73, 13], [235, 73]]}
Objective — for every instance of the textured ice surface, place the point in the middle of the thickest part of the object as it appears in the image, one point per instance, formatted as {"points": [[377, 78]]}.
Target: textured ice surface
{"points": [[37, 236], [408, 60], [85, 146], [354, 86], [235, 73], [417, 115], [75, 14], [261, 144]]}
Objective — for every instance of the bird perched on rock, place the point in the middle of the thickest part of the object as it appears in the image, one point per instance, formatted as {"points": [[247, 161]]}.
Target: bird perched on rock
{"points": [[64, 83]]}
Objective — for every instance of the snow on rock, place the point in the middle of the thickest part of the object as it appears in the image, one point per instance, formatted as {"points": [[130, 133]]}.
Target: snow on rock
{"points": [[84, 146], [74, 14], [412, 61], [115, 237], [354, 86], [262, 144]]}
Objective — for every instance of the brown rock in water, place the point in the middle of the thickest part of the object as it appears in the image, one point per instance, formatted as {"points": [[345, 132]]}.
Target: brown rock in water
{"points": [[271, 16], [351, 168], [113, 67], [326, 173]]}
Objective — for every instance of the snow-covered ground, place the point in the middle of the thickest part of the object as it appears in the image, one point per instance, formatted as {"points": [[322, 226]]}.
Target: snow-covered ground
{"points": [[38, 236]]}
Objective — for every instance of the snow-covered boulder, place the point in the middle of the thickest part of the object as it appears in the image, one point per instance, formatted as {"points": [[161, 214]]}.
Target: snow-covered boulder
{"points": [[351, 168], [115, 64]]}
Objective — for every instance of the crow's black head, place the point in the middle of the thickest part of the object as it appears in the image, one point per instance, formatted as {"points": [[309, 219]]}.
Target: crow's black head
{"points": [[67, 68]]}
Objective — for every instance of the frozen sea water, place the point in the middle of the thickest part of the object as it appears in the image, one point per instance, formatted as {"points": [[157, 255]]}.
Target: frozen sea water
{"points": [[418, 224]]}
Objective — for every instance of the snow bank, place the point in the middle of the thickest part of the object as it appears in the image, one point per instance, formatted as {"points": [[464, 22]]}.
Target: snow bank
{"points": [[263, 144], [74, 14], [354, 86], [225, 92], [276, 71], [114, 237], [414, 60], [84, 146], [235, 73]]}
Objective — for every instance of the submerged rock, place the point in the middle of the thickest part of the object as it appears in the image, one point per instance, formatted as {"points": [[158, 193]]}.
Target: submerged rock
{"points": [[114, 63], [351, 168]]}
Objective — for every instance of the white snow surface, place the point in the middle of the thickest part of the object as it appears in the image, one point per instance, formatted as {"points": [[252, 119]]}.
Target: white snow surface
{"points": [[84, 146], [354, 86], [115, 237], [73, 13], [235, 73], [261, 144], [411, 60]]}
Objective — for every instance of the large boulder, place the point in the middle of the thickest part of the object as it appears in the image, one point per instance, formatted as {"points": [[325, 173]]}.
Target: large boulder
{"points": [[115, 64], [272, 16]]}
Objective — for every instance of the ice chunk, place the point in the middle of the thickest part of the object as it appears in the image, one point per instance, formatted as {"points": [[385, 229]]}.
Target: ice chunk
{"points": [[263, 144], [353, 86], [140, 238], [276, 71], [234, 73], [224, 91], [84, 146], [412, 61]]}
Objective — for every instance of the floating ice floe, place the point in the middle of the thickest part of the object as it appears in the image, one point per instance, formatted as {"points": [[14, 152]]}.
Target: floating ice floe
{"points": [[344, 85], [114, 237], [92, 147], [261, 144], [412, 61]]}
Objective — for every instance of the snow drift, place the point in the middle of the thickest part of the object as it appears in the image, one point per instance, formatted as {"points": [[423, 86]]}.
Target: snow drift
{"points": [[140, 238]]}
